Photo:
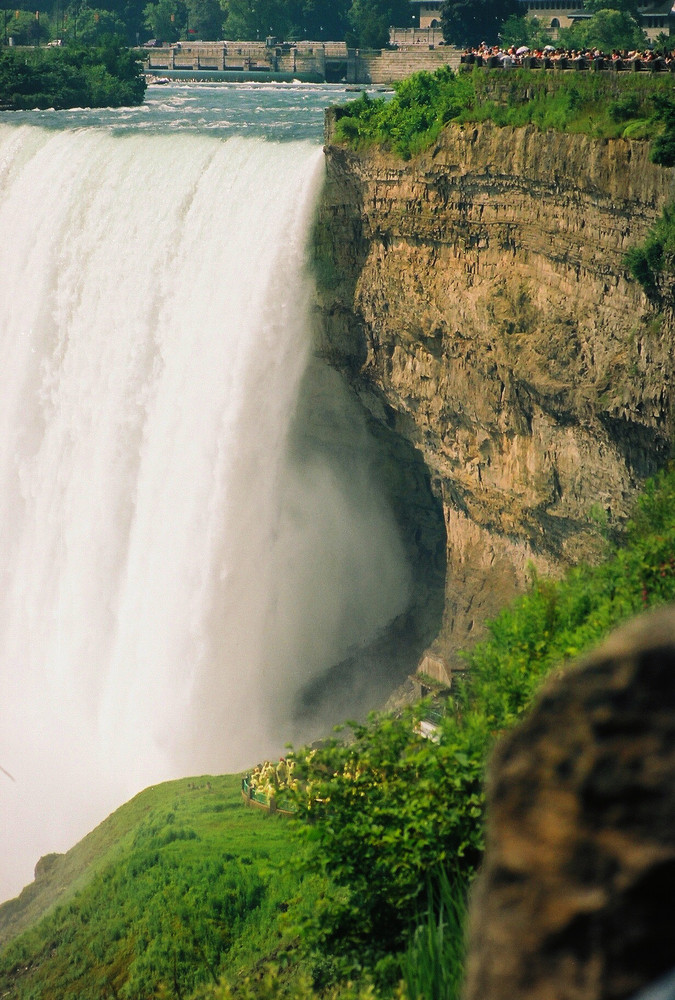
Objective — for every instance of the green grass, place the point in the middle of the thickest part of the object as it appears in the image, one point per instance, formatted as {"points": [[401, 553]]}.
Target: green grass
{"points": [[156, 896], [598, 104]]}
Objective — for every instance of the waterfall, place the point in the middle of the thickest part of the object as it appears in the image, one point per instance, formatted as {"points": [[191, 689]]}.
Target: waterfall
{"points": [[178, 557]]}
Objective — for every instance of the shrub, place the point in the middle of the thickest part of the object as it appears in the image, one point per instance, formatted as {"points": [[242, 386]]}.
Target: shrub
{"points": [[387, 807], [107, 75], [654, 259], [596, 103]]}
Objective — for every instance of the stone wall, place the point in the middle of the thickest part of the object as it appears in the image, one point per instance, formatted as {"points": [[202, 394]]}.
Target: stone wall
{"points": [[387, 67]]}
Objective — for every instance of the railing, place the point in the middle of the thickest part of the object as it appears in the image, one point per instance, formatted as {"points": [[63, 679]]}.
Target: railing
{"points": [[468, 61], [261, 801]]}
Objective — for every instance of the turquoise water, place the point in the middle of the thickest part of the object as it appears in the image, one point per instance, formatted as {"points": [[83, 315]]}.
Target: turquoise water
{"points": [[274, 111]]}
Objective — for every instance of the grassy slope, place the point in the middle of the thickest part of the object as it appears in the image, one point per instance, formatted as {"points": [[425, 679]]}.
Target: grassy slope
{"points": [[65, 874], [155, 896]]}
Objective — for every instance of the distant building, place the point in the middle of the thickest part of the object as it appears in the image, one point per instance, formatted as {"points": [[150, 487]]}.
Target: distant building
{"points": [[429, 12], [655, 18]]}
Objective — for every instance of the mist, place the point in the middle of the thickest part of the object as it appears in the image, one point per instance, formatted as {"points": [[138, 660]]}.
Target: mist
{"points": [[191, 527]]}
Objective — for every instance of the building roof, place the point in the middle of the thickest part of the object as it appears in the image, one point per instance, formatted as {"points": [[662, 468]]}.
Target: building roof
{"points": [[657, 8]]}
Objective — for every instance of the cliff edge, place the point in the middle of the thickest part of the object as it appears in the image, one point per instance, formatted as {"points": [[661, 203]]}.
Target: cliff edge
{"points": [[477, 298]]}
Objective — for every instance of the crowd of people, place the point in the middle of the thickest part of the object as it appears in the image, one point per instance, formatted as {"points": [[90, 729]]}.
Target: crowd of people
{"points": [[270, 778], [549, 57]]}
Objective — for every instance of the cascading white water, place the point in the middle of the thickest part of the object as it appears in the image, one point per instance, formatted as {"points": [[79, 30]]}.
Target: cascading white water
{"points": [[171, 572]]}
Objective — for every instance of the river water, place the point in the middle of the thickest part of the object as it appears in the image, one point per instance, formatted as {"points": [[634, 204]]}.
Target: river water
{"points": [[274, 111], [190, 528]]}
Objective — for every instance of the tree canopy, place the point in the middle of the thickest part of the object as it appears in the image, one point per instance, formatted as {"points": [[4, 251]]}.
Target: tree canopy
{"points": [[363, 23], [470, 22], [107, 75], [607, 29]]}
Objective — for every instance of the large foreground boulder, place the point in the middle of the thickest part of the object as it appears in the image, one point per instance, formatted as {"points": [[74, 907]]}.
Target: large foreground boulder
{"points": [[576, 900]]}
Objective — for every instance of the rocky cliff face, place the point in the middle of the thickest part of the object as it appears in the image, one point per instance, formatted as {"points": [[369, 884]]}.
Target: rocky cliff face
{"points": [[478, 300]]}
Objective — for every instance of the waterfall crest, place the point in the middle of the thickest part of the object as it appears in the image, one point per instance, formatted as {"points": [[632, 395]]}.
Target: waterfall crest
{"points": [[172, 571]]}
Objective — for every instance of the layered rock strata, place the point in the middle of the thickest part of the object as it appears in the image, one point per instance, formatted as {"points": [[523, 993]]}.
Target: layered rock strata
{"points": [[478, 299]]}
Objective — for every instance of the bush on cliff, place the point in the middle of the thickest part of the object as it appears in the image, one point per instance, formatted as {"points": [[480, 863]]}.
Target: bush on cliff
{"points": [[601, 104], [663, 147], [386, 810], [422, 104], [654, 260]]}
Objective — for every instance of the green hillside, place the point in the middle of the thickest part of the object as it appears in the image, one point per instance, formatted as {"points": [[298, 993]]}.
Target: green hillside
{"points": [[153, 898]]}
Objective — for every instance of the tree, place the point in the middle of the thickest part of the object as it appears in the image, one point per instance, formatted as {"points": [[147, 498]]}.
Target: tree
{"points": [[606, 30], [166, 19], [127, 21], [319, 19], [524, 31], [27, 29], [663, 42], [371, 20], [248, 19], [91, 25], [629, 6], [205, 19], [470, 22], [106, 75]]}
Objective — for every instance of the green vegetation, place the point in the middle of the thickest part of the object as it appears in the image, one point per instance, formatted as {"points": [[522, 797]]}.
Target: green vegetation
{"points": [[406, 808], [363, 23], [654, 260], [518, 30], [470, 22], [599, 104], [177, 879], [363, 896], [663, 147], [388, 809], [610, 24], [605, 29], [359, 22], [107, 75], [652, 263]]}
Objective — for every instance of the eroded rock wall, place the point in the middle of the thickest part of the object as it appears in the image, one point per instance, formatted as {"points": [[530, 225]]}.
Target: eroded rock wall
{"points": [[478, 299]]}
